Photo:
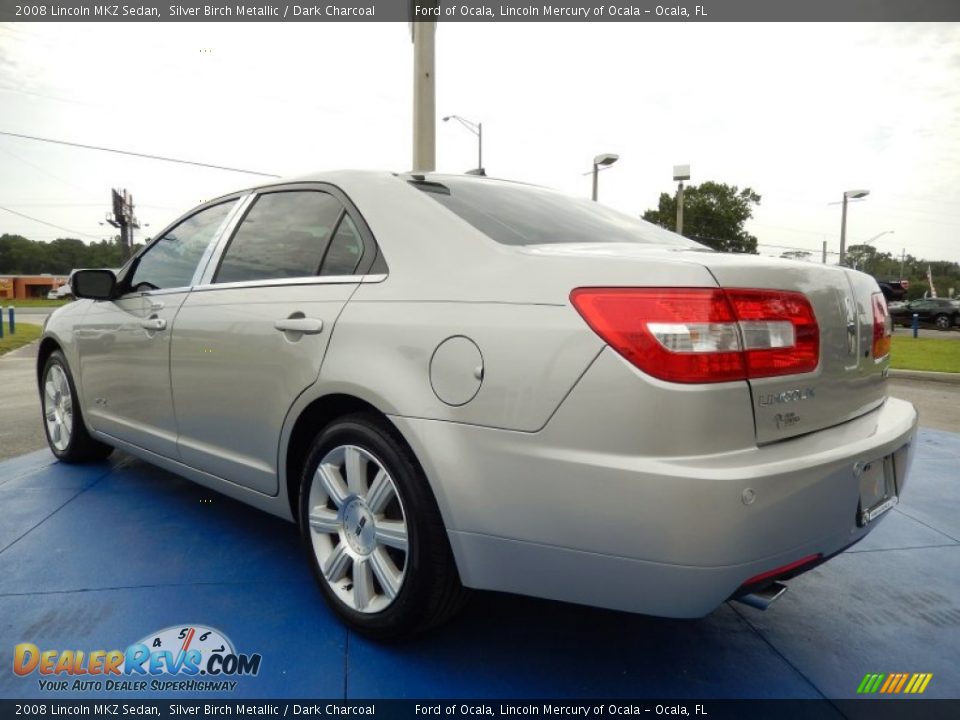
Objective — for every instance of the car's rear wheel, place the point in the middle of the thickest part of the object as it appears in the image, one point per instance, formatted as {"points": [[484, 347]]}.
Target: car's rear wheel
{"points": [[66, 432], [942, 322], [373, 532]]}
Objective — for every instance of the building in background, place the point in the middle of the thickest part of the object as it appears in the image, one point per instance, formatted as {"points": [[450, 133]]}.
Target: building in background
{"points": [[23, 287]]}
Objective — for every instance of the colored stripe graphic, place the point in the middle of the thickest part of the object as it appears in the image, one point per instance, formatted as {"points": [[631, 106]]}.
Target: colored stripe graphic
{"points": [[894, 683]]}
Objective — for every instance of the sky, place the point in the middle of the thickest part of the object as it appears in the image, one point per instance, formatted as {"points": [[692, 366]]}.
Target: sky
{"points": [[798, 112]]}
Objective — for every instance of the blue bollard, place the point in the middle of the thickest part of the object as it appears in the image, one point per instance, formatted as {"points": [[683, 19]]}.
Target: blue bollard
{"points": [[915, 324], [13, 327]]}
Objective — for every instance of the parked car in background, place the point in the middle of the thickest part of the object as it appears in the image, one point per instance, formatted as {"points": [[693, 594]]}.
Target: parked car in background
{"points": [[453, 382], [942, 313], [61, 293]]}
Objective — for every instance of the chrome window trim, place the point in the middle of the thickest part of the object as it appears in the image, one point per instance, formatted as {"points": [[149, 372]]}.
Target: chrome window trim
{"points": [[211, 261], [281, 282]]}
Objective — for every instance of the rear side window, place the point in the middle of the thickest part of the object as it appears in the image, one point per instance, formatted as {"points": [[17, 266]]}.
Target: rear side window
{"points": [[514, 214], [284, 235], [345, 250]]}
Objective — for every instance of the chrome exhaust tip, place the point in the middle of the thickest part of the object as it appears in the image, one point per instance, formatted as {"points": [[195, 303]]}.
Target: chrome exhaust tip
{"points": [[762, 599]]}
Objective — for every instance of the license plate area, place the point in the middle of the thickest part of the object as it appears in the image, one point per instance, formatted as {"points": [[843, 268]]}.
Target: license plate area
{"points": [[878, 490]]}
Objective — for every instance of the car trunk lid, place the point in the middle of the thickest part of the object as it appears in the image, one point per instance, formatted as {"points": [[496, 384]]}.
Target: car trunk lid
{"points": [[848, 381]]}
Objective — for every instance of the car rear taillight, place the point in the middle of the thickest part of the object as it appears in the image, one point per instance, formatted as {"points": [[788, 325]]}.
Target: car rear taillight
{"points": [[704, 335], [882, 327]]}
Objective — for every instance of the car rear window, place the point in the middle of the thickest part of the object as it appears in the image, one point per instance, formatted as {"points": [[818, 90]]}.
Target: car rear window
{"points": [[515, 214]]}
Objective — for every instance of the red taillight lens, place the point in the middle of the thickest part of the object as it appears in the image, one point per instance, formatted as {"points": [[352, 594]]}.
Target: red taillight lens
{"points": [[882, 327], [703, 335], [780, 332]]}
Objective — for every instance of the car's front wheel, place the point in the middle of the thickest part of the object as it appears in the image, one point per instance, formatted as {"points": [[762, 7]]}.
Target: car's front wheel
{"points": [[63, 423], [942, 322], [373, 532]]}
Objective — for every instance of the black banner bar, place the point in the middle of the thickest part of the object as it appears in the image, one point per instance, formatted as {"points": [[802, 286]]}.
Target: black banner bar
{"points": [[887, 709], [479, 11]]}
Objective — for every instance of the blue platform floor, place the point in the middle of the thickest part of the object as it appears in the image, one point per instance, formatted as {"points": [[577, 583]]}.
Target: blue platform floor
{"points": [[97, 557]]}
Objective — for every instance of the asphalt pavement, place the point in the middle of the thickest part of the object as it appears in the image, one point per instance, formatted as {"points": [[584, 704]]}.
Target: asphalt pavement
{"points": [[21, 430]]}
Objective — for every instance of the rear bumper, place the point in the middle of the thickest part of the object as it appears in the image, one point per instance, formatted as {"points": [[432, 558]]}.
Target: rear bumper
{"points": [[535, 513]]}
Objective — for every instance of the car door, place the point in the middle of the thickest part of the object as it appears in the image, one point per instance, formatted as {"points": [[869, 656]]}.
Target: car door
{"points": [[124, 344], [923, 309], [252, 336]]}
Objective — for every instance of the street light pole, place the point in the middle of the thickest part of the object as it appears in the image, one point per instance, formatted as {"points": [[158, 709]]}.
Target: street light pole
{"points": [[601, 162], [847, 195], [476, 129]]}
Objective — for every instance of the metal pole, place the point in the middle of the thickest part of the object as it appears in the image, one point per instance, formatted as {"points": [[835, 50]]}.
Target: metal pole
{"points": [[824, 252], [596, 169], [843, 230], [479, 146], [13, 325], [680, 208], [903, 255], [424, 97]]}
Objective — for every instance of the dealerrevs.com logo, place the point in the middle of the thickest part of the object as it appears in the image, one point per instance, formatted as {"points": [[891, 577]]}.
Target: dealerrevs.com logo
{"points": [[181, 658]]}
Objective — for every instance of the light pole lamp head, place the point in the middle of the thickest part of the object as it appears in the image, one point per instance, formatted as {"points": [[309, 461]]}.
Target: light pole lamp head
{"points": [[606, 159], [855, 194], [447, 118], [681, 172]]}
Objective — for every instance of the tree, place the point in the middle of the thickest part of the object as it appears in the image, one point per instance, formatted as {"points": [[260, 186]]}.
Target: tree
{"points": [[713, 213], [21, 256], [868, 259]]}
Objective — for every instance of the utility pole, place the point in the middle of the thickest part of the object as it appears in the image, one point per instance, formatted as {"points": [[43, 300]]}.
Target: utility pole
{"points": [[824, 252], [680, 173], [124, 219], [424, 90], [903, 256]]}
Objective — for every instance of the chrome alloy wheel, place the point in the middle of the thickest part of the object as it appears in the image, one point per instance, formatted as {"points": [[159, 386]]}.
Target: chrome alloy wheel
{"points": [[58, 407], [358, 529]]}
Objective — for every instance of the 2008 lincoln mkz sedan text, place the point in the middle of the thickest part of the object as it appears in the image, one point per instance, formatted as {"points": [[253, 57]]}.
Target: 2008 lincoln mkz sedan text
{"points": [[456, 382]]}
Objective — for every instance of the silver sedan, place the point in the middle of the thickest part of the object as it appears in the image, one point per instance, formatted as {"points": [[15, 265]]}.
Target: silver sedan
{"points": [[454, 382]]}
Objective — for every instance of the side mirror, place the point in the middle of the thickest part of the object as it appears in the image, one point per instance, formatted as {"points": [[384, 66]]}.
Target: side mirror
{"points": [[94, 284]]}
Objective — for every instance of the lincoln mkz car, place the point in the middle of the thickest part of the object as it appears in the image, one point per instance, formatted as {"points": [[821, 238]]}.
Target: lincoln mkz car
{"points": [[456, 382]]}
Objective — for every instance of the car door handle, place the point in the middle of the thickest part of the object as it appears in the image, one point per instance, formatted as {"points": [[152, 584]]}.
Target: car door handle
{"points": [[154, 324], [307, 326]]}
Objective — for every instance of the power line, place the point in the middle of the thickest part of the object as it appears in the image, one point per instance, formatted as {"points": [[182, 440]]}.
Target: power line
{"points": [[44, 222], [136, 154]]}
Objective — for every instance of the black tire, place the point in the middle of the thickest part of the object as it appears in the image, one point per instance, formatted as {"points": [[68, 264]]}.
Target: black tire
{"points": [[78, 446], [430, 591], [942, 322]]}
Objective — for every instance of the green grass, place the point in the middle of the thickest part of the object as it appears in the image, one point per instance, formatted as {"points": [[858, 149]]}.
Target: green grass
{"points": [[32, 302], [930, 354], [26, 334]]}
